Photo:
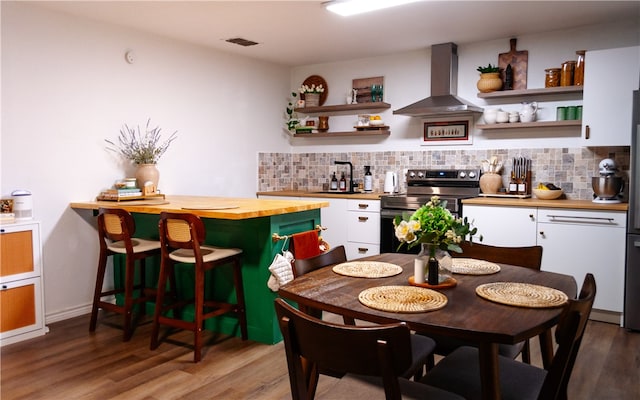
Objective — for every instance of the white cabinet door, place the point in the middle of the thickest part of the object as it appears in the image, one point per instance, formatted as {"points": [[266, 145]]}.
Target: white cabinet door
{"points": [[363, 228], [334, 218], [576, 242], [503, 226], [610, 78]]}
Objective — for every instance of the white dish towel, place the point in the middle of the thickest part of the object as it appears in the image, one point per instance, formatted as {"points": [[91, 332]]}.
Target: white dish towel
{"points": [[281, 270]]}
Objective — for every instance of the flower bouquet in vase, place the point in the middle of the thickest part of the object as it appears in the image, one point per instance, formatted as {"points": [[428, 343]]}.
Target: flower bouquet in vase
{"points": [[437, 231]]}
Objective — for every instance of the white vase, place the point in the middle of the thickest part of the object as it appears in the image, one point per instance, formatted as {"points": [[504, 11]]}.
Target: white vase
{"points": [[147, 173]]}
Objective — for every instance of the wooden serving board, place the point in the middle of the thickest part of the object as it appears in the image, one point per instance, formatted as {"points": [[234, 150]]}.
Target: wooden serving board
{"points": [[519, 61]]}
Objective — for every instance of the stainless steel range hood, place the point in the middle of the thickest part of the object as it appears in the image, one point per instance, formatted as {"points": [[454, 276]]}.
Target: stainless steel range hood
{"points": [[444, 87]]}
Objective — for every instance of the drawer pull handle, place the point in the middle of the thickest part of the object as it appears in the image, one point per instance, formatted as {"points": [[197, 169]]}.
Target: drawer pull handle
{"points": [[362, 250], [542, 233], [531, 216], [636, 243], [587, 132], [4, 287], [365, 206], [363, 219], [597, 219]]}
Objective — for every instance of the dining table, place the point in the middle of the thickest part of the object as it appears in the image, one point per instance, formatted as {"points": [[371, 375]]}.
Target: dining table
{"points": [[465, 315]]}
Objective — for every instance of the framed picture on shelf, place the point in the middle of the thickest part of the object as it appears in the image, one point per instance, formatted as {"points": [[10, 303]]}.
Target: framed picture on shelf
{"points": [[447, 131]]}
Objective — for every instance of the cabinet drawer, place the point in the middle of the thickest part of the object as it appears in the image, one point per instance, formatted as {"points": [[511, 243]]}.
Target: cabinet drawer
{"points": [[19, 251], [21, 306], [581, 217], [364, 205], [363, 227], [358, 250]]}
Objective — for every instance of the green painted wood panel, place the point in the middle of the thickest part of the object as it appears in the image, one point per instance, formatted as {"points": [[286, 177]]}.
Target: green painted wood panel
{"points": [[254, 237]]}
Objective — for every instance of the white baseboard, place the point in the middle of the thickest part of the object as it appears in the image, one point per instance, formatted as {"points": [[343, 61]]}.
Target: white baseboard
{"points": [[67, 314]]}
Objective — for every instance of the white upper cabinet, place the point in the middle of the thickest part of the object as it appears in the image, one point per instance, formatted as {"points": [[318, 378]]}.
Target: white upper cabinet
{"points": [[610, 76]]}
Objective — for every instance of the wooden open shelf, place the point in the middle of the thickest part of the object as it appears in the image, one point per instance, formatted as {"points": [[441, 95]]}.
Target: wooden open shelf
{"points": [[350, 108], [343, 134], [537, 124], [501, 94]]}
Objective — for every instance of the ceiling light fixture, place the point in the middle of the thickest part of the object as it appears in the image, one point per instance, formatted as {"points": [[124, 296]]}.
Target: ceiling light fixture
{"points": [[353, 7]]}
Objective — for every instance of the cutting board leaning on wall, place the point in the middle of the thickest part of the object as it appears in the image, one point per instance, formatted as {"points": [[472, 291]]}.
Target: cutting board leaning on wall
{"points": [[519, 61]]}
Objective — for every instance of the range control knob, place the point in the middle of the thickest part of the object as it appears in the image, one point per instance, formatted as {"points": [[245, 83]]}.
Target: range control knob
{"points": [[462, 174], [472, 174], [420, 174], [412, 174]]}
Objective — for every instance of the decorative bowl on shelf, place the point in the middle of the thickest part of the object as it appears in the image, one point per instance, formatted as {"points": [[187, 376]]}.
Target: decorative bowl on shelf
{"points": [[376, 122], [548, 194]]}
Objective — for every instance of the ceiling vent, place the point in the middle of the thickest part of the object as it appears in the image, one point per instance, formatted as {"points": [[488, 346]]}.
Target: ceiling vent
{"points": [[241, 42]]}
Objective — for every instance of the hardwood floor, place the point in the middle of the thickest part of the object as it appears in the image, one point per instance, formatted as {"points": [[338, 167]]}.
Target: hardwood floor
{"points": [[71, 363]]}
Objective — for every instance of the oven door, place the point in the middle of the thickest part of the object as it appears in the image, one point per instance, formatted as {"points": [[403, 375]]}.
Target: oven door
{"points": [[388, 241]]}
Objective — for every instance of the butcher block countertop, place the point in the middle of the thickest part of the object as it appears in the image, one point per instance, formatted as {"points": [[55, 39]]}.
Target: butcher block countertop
{"points": [[332, 195], [208, 207], [534, 202]]}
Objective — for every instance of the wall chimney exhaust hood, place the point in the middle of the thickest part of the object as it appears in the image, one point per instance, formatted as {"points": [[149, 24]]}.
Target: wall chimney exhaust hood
{"points": [[444, 87]]}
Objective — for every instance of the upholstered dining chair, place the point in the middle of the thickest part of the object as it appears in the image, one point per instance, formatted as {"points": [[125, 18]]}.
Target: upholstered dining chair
{"points": [[373, 357], [459, 372], [422, 346], [525, 256], [182, 236], [116, 228]]}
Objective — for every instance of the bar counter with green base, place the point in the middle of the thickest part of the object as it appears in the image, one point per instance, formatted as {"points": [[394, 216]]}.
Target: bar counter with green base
{"points": [[243, 223]]}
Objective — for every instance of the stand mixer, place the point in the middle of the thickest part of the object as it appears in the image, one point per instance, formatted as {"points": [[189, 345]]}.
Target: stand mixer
{"points": [[607, 187]]}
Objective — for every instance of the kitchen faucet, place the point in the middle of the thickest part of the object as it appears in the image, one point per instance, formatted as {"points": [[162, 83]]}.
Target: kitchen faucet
{"points": [[350, 189]]}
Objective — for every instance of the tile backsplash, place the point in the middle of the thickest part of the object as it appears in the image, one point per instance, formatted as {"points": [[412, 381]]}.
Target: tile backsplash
{"points": [[569, 168]]}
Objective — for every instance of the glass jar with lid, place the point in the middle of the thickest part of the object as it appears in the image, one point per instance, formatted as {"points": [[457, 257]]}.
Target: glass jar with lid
{"points": [[566, 75], [552, 77], [578, 74]]}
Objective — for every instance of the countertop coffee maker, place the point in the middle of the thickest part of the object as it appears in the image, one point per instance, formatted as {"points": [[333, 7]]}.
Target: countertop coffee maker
{"points": [[608, 186]]}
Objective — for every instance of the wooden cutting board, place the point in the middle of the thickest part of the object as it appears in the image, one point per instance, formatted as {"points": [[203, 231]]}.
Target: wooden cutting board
{"points": [[519, 61]]}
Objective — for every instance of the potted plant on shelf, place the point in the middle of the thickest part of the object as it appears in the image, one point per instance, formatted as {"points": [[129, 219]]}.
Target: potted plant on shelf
{"points": [[144, 149], [311, 94], [490, 80]]}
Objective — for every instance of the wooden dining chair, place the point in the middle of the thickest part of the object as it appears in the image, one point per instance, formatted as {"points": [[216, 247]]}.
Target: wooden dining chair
{"points": [[422, 346], [459, 372], [525, 256], [116, 228], [373, 357], [182, 236], [335, 255]]}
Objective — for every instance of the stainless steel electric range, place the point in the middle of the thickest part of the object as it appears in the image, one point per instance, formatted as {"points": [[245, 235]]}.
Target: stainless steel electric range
{"points": [[450, 185]]}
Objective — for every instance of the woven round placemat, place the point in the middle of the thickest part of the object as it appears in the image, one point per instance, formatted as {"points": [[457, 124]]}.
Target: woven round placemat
{"points": [[402, 299], [522, 294], [471, 266], [367, 269]]}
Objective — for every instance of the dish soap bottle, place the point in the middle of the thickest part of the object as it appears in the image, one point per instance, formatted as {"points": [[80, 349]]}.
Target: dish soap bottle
{"points": [[368, 179], [343, 183], [334, 182]]}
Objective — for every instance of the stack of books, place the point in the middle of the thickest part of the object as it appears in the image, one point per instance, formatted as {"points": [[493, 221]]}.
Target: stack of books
{"points": [[120, 194]]}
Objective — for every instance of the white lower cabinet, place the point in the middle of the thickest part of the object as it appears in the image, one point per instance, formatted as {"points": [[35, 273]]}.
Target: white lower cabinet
{"points": [[363, 228], [503, 226], [21, 287], [577, 242], [574, 242]]}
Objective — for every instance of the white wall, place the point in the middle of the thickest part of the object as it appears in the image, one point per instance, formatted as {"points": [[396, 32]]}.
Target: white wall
{"points": [[66, 87], [407, 79]]}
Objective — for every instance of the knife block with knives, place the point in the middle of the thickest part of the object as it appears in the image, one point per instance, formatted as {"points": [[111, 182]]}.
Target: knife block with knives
{"points": [[520, 183]]}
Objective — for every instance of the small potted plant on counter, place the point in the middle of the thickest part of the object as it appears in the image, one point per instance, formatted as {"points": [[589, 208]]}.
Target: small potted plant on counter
{"points": [[490, 80]]}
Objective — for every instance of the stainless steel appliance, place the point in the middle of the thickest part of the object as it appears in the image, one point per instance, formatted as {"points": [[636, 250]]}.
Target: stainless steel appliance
{"points": [[632, 273], [607, 187], [451, 185]]}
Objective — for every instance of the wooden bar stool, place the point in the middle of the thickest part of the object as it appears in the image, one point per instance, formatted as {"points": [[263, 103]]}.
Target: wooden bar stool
{"points": [[181, 237], [115, 230]]}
